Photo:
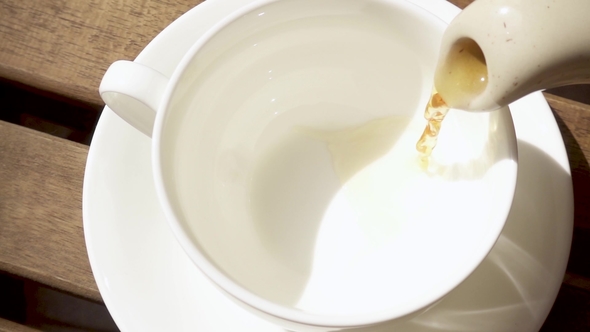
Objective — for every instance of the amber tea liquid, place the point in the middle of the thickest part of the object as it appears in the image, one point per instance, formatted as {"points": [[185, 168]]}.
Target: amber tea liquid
{"points": [[462, 76], [435, 112]]}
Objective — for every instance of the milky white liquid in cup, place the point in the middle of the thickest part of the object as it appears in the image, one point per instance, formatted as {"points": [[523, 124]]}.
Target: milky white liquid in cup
{"points": [[308, 184], [373, 193]]}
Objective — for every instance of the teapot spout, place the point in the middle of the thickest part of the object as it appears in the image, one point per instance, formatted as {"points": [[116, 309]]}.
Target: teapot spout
{"points": [[527, 45]]}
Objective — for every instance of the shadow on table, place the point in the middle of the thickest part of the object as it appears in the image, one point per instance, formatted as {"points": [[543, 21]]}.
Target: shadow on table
{"points": [[578, 262]]}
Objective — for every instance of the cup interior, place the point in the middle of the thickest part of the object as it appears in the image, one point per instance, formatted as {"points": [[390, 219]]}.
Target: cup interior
{"points": [[287, 157]]}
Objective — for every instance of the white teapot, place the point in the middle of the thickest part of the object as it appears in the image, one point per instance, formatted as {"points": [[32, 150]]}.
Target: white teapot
{"points": [[528, 45]]}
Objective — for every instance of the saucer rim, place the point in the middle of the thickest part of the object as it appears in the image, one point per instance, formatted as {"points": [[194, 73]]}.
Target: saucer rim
{"points": [[103, 128]]}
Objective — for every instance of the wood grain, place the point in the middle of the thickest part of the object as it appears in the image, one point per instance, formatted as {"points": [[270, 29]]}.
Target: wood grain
{"points": [[461, 3], [8, 326], [573, 119], [65, 46], [41, 235]]}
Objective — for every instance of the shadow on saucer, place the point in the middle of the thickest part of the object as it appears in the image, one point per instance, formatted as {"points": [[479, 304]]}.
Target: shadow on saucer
{"points": [[514, 288]]}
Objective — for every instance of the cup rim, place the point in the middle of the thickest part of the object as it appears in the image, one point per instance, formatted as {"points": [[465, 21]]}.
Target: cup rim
{"points": [[225, 282]]}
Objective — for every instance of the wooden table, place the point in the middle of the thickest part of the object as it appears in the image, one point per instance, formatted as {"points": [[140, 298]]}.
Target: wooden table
{"points": [[61, 48]]}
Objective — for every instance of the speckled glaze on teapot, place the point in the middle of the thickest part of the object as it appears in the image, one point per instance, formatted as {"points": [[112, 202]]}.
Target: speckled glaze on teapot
{"points": [[528, 45]]}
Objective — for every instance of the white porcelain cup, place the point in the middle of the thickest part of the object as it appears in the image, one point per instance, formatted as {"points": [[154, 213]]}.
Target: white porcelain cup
{"points": [[284, 160]]}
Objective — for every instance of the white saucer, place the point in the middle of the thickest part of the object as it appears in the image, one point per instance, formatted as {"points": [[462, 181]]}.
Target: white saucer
{"points": [[149, 284]]}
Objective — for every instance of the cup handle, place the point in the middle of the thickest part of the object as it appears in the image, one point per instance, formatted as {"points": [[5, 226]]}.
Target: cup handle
{"points": [[134, 92]]}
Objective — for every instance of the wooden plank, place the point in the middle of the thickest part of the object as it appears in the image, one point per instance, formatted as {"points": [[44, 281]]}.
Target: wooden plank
{"points": [[576, 118], [65, 46], [573, 119], [41, 235], [8, 326], [576, 280], [461, 3]]}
